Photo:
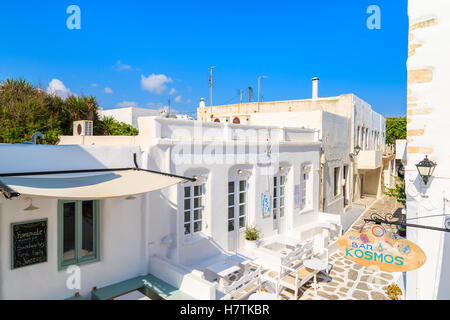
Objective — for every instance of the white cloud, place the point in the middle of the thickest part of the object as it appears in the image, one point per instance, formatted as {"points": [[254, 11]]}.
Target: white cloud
{"points": [[122, 67], [94, 85], [127, 104], [178, 99], [155, 83], [172, 91], [108, 90], [57, 87]]}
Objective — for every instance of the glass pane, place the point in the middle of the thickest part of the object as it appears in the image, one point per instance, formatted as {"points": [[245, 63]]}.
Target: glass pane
{"points": [[230, 212], [275, 211], [230, 225], [231, 187], [282, 202], [275, 203], [275, 193], [274, 181], [281, 212], [197, 190], [281, 191], [197, 214], [197, 202], [231, 199], [197, 226], [187, 192], [242, 197], [187, 216], [87, 228], [242, 185], [187, 204], [282, 180], [242, 222], [242, 210], [187, 228], [69, 231]]}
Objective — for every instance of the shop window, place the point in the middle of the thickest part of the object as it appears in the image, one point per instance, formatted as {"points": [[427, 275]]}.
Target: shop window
{"points": [[78, 232]]}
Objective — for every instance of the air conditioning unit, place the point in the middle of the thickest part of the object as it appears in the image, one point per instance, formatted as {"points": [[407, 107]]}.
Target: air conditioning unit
{"points": [[83, 128]]}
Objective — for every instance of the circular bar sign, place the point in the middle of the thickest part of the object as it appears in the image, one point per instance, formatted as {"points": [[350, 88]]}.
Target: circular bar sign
{"points": [[376, 247]]}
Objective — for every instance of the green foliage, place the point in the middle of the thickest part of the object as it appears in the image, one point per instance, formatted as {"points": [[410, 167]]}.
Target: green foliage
{"points": [[251, 233], [398, 192], [395, 129], [25, 109], [393, 291], [110, 127]]}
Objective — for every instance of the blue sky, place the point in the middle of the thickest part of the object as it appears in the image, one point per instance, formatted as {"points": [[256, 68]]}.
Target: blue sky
{"points": [[144, 51]]}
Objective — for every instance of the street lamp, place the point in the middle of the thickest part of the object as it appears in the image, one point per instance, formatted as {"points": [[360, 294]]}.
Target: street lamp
{"points": [[426, 168], [357, 150]]}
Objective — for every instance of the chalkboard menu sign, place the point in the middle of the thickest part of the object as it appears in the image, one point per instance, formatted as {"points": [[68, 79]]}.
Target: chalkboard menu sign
{"points": [[29, 243]]}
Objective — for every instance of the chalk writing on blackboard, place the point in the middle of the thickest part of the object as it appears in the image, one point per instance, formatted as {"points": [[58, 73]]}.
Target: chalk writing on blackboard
{"points": [[29, 243]]}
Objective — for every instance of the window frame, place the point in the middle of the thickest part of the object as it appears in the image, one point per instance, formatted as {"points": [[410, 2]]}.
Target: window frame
{"points": [[237, 204], [279, 181], [79, 259], [192, 209], [306, 202]]}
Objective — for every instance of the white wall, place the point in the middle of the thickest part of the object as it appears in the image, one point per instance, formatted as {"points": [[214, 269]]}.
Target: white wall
{"points": [[122, 233], [168, 214], [129, 115], [428, 112]]}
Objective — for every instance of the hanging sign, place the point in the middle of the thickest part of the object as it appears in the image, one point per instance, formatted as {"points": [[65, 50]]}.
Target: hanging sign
{"points": [[377, 247], [265, 204]]}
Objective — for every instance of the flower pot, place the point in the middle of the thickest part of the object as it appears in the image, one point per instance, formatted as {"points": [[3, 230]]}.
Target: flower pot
{"points": [[250, 244]]}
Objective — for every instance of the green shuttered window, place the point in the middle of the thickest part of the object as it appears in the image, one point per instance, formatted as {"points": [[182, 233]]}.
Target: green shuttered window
{"points": [[78, 232]]}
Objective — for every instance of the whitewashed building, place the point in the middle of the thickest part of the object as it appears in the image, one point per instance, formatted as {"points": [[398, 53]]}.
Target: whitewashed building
{"points": [[344, 122], [119, 220], [428, 129]]}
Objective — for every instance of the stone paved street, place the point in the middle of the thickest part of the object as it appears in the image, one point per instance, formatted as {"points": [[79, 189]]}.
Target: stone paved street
{"points": [[351, 281]]}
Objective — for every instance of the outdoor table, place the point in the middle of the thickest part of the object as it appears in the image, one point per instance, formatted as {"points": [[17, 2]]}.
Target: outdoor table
{"points": [[317, 265], [239, 260], [133, 295], [262, 296], [223, 269]]}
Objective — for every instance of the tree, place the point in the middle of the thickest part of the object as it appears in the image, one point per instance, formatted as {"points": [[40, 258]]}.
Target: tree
{"points": [[110, 127], [26, 109], [395, 129], [398, 192]]}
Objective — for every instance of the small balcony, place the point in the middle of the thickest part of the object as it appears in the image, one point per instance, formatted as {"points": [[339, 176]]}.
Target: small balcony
{"points": [[369, 159]]}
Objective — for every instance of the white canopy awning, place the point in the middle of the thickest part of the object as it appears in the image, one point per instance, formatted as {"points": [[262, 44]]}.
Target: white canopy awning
{"points": [[83, 186]]}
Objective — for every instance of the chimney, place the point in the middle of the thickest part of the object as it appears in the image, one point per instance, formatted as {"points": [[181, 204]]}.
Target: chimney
{"points": [[315, 88], [202, 103]]}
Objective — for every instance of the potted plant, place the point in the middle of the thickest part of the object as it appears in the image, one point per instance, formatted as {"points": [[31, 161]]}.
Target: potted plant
{"points": [[393, 292], [251, 237]]}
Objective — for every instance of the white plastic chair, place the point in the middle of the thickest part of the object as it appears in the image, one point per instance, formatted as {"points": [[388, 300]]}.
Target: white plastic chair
{"points": [[320, 251]]}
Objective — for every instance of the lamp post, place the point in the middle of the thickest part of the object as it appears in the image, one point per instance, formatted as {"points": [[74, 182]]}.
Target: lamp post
{"points": [[357, 150], [426, 169]]}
